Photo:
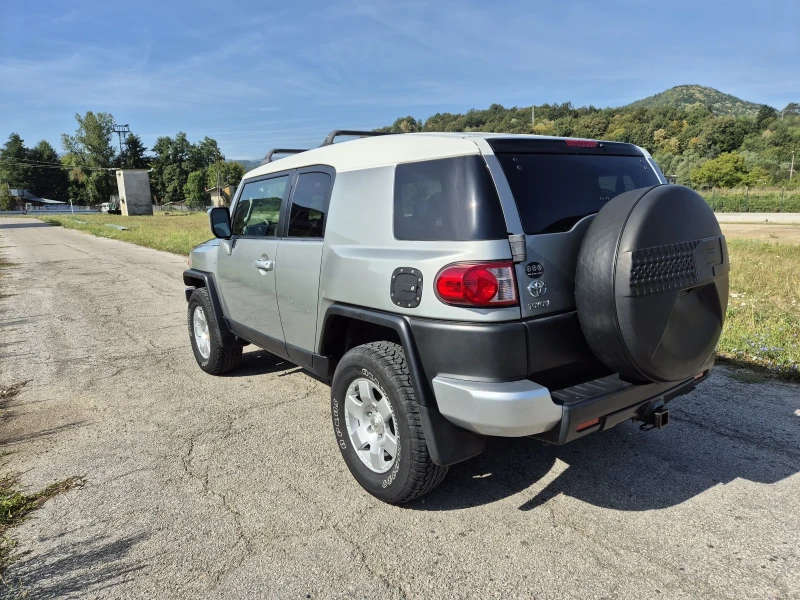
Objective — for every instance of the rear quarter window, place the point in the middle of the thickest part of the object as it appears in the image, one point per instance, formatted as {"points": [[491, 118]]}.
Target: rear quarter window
{"points": [[451, 199], [555, 191]]}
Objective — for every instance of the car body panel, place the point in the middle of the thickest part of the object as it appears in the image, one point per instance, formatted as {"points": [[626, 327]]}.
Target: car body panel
{"points": [[249, 294], [297, 275]]}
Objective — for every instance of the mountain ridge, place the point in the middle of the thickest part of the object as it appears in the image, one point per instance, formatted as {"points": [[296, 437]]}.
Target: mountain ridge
{"points": [[681, 96]]}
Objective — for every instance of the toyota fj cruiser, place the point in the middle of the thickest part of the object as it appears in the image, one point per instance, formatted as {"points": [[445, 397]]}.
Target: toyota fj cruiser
{"points": [[459, 286]]}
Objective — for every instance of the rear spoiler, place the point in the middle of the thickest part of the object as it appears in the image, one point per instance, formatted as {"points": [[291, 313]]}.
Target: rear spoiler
{"points": [[566, 146]]}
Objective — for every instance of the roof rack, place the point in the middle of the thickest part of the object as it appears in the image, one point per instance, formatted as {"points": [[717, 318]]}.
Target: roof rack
{"points": [[274, 151], [352, 132]]}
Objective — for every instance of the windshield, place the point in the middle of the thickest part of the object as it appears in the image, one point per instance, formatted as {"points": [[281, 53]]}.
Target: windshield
{"points": [[555, 191]]}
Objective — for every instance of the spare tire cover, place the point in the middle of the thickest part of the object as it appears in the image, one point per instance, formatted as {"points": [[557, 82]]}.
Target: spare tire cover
{"points": [[651, 284]]}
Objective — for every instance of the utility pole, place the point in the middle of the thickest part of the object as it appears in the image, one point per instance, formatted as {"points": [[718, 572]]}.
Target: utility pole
{"points": [[533, 114], [119, 130], [791, 168], [219, 183]]}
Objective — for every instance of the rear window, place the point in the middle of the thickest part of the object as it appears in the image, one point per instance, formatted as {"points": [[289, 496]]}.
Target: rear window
{"points": [[555, 191], [450, 199]]}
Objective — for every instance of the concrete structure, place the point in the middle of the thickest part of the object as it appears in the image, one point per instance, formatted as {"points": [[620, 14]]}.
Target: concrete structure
{"points": [[134, 192]]}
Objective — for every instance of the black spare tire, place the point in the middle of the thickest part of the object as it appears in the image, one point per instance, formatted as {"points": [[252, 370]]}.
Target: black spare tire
{"points": [[651, 285]]}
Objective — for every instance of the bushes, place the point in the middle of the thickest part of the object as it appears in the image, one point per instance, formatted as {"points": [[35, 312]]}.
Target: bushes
{"points": [[753, 200]]}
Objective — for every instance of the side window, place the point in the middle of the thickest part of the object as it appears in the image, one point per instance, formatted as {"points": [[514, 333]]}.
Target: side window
{"points": [[259, 207], [450, 199], [309, 205]]}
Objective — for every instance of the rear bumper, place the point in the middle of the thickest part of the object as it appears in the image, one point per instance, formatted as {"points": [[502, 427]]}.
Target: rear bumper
{"points": [[510, 409], [524, 408], [611, 407]]}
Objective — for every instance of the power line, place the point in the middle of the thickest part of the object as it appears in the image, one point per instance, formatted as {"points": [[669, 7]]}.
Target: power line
{"points": [[43, 165], [28, 160]]}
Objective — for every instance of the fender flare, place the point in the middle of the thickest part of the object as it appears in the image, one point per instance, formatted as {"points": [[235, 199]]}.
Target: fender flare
{"points": [[447, 443], [200, 279]]}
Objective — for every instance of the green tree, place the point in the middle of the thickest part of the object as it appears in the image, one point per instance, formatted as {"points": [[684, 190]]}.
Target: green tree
{"points": [[727, 170], [722, 134], [134, 153], [230, 173], [205, 153], [172, 163], [174, 159], [14, 168], [6, 202], [766, 114], [404, 125], [46, 181], [90, 155], [194, 190]]}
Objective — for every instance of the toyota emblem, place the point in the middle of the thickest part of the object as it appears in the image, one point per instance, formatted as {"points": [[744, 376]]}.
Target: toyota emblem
{"points": [[537, 288]]}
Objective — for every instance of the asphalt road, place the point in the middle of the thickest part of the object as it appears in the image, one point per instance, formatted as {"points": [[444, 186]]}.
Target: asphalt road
{"points": [[233, 487]]}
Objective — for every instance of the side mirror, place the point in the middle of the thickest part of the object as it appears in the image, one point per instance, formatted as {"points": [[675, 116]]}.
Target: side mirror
{"points": [[220, 219]]}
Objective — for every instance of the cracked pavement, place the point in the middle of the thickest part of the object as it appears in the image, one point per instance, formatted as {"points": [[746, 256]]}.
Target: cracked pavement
{"points": [[233, 487]]}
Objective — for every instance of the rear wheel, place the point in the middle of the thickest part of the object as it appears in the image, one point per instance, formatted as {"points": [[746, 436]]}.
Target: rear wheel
{"points": [[204, 335], [377, 425]]}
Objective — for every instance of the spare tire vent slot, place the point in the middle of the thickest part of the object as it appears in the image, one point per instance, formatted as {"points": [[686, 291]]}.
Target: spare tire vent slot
{"points": [[663, 268]]}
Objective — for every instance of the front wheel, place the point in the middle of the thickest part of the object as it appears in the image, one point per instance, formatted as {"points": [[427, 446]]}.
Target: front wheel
{"points": [[212, 357], [377, 425]]}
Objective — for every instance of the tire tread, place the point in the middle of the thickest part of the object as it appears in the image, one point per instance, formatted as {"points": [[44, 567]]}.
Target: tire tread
{"points": [[425, 475], [222, 360]]}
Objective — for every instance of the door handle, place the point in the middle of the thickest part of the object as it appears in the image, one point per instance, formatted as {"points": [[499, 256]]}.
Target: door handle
{"points": [[263, 264]]}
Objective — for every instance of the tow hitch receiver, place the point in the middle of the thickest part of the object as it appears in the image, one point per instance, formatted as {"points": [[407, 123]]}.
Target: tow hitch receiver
{"points": [[656, 419]]}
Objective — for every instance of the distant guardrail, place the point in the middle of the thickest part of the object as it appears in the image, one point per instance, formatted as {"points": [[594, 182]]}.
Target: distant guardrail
{"points": [[52, 211]]}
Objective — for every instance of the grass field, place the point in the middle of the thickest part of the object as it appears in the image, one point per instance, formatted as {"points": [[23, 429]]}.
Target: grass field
{"points": [[763, 321], [176, 232]]}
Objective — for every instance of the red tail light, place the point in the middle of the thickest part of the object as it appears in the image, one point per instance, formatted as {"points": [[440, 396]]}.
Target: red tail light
{"points": [[477, 284], [581, 143]]}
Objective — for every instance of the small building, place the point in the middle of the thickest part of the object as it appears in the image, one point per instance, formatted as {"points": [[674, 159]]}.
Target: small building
{"points": [[27, 200], [223, 198], [135, 197]]}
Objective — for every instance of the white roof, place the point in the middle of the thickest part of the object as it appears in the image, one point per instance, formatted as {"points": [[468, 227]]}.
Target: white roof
{"points": [[384, 150]]}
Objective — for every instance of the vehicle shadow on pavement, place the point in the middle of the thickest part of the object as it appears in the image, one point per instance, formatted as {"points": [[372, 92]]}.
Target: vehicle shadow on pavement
{"points": [[626, 469], [81, 567], [259, 362]]}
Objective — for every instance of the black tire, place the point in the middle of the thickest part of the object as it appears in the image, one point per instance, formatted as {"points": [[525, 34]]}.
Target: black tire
{"points": [[651, 284], [220, 360], [413, 474]]}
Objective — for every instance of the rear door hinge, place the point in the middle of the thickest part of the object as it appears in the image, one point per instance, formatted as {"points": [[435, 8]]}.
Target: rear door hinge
{"points": [[518, 248]]}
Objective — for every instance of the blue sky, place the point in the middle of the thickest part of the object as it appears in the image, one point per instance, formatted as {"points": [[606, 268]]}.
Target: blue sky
{"points": [[256, 75]]}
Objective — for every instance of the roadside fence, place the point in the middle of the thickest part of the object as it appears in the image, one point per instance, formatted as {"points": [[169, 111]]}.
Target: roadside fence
{"points": [[772, 200]]}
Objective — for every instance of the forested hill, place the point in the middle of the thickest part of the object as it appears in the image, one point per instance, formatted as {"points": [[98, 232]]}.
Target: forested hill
{"points": [[713, 141], [717, 102]]}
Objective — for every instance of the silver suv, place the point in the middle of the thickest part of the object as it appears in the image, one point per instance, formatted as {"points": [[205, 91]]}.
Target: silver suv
{"points": [[459, 286]]}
